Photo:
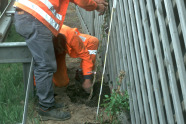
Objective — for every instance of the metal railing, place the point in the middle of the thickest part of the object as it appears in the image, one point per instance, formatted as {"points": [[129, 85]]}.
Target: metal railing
{"points": [[5, 18], [148, 42]]}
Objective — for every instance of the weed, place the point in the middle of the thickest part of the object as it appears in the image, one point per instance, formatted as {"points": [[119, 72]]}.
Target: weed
{"points": [[117, 102]]}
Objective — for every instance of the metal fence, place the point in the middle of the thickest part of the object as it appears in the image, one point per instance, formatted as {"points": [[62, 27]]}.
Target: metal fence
{"points": [[148, 42]]}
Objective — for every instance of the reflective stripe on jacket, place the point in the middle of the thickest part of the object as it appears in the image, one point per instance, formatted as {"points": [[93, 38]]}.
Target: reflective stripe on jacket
{"points": [[52, 12]]}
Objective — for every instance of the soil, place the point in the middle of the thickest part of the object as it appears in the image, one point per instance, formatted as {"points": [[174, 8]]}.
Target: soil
{"points": [[82, 111]]}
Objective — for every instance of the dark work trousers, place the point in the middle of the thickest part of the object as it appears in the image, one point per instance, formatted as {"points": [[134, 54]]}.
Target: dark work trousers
{"points": [[39, 41]]}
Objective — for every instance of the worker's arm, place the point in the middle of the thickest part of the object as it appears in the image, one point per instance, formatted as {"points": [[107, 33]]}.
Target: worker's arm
{"points": [[87, 63], [82, 52]]}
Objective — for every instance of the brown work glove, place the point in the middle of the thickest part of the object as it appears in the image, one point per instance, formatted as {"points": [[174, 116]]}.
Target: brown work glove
{"points": [[87, 84]]}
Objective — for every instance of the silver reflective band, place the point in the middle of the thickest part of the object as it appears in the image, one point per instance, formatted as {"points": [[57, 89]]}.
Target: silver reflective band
{"points": [[51, 7], [41, 12], [83, 38], [92, 52]]}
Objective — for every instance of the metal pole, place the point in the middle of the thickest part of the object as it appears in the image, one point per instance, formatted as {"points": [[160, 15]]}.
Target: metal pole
{"points": [[27, 93]]}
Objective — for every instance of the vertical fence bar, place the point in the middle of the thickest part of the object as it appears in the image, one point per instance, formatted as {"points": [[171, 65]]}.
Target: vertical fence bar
{"points": [[115, 48], [145, 62], [140, 69], [124, 37], [144, 58], [112, 57], [129, 36], [152, 65], [163, 79], [119, 44], [136, 77], [170, 67], [182, 15], [176, 47]]}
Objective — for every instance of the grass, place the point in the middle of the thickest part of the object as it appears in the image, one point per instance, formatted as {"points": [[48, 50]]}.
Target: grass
{"points": [[12, 93], [12, 89], [13, 36]]}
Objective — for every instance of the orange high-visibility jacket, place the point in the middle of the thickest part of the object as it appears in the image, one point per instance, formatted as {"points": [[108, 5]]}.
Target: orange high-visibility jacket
{"points": [[77, 46], [52, 12]]}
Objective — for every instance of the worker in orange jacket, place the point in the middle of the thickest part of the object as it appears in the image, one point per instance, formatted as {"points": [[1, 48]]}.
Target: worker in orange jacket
{"points": [[38, 21], [76, 45]]}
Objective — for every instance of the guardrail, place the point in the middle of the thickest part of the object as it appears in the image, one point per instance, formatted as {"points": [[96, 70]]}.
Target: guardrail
{"points": [[17, 52], [148, 42], [5, 18]]}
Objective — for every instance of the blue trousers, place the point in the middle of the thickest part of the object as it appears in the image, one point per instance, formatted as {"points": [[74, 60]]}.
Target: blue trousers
{"points": [[39, 41]]}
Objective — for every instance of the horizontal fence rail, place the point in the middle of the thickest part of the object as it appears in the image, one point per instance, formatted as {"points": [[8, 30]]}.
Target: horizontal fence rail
{"points": [[148, 42]]}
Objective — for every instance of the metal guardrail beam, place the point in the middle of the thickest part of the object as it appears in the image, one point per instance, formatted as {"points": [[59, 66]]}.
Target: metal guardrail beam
{"points": [[13, 52], [5, 20], [17, 52]]}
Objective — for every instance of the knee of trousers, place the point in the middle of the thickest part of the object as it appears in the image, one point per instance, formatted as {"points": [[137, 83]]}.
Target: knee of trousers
{"points": [[51, 66], [46, 66]]}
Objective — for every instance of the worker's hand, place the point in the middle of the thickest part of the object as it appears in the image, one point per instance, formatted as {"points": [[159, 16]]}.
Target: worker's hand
{"points": [[101, 2], [87, 84], [101, 8]]}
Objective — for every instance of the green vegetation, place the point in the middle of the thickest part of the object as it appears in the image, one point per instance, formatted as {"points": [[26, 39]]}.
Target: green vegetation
{"points": [[116, 103], [12, 93], [12, 89], [13, 36]]}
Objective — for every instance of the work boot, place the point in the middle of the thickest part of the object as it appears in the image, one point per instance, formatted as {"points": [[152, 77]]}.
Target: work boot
{"points": [[56, 106], [53, 114], [59, 105]]}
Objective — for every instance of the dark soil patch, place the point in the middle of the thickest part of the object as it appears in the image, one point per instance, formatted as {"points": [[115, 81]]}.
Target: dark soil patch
{"points": [[78, 95]]}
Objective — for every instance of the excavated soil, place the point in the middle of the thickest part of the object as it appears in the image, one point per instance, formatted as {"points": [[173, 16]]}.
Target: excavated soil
{"points": [[82, 111]]}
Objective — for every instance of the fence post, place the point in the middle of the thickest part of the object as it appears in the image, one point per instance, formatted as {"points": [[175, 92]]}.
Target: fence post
{"points": [[26, 69]]}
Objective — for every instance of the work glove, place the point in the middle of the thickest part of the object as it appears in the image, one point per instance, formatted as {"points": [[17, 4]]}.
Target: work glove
{"points": [[87, 84]]}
